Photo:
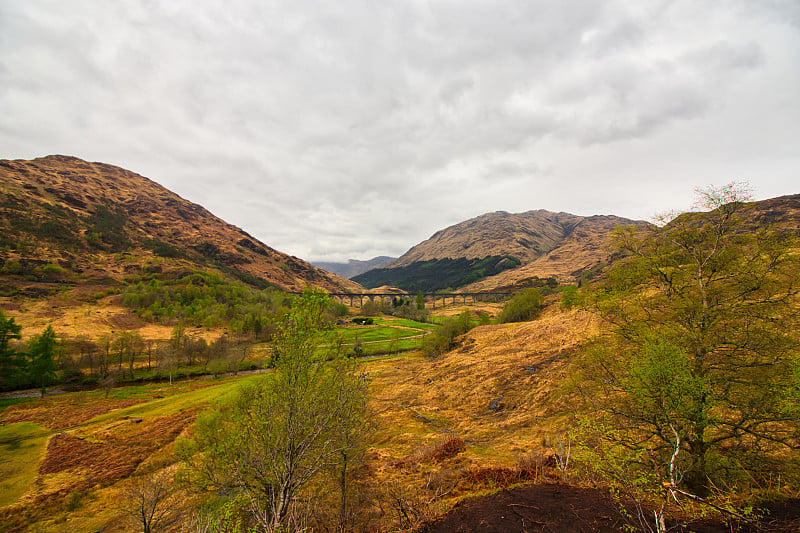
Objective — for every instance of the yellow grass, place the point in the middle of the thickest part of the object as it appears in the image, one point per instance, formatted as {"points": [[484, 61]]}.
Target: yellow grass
{"points": [[73, 314], [455, 390], [22, 447]]}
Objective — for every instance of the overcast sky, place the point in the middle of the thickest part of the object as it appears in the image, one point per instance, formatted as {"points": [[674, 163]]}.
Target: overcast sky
{"points": [[349, 129]]}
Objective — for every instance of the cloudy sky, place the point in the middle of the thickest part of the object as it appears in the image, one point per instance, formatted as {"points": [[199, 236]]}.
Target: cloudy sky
{"points": [[349, 129]]}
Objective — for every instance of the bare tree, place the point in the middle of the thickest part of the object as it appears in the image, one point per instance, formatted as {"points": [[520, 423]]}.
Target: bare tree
{"points": [[149, 502]]}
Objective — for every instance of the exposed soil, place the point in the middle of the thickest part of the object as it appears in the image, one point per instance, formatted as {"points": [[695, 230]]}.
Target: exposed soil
{"points": [[557, 508]]}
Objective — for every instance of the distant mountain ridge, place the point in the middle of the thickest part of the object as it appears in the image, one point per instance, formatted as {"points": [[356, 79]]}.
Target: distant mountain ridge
{"points": [[353, 267], [547, 244], [85, 216]]}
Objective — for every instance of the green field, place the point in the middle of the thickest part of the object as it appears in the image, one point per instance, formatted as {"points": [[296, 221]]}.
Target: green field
{"points": [[386, 335]]}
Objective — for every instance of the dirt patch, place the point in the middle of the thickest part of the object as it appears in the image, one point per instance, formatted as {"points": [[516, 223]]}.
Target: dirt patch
{"points": [[48, 314], [546, 508], [444, 448], [103, 462], [155, 433], [557, 508], [503, 476]]}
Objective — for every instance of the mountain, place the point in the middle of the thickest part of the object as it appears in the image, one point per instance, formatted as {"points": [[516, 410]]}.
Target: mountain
{"points": [[503, 249], [354, 267], [99, 222], [781, 214]]}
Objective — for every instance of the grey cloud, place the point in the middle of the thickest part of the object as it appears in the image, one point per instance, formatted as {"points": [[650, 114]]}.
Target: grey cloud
{"points": [[305, 123], [721, 58]]}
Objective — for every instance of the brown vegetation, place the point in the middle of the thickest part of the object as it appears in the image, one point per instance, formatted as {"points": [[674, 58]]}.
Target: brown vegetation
{"points": [[547, 243], [53, 195], [54, 414]]}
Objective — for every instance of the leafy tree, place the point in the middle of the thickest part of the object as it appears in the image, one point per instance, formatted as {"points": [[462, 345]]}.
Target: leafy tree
{"points": [[291, 427], [177, 340], [570, 297], [42, 365], [11, 362], [703, 350], [526, 305]]}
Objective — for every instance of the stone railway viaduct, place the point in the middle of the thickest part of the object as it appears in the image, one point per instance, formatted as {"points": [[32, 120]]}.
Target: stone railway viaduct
{"points": [[430, 297]]}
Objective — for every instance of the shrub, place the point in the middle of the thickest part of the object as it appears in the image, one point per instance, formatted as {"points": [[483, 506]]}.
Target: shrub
{"points": [[338, 309], [90, 382], [570, 297], [53, 270], [12, 267], [526, 305], [444, 448], [442, 338]]}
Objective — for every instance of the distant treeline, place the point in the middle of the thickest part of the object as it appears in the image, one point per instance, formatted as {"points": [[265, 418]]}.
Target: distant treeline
{"points": [[84, 363], [438, 274]]}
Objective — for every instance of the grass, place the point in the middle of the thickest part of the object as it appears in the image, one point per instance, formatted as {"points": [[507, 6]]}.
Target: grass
{"points": [[406, 323], [373, 333], [22, 447], [172, 402], [387, 335], [451, 392], [6, 402]]}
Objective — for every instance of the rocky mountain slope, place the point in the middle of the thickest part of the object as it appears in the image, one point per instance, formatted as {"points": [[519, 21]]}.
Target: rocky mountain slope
{"points": [[97, 222], [547, 244]]}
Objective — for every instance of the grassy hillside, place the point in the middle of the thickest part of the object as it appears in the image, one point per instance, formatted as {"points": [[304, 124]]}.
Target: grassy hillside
{"points": [[547, 245], [65, 219], [84, 450], [489, 414], [78, 451]]}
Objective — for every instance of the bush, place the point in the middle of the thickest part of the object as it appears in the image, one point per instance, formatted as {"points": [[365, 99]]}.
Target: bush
{"points": [[412, 313], [444, 448], [526, 305], [72, 376], [570, 297], [370, 308], [442, 339], [53, 270], [12, 267], [338, 309]]}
